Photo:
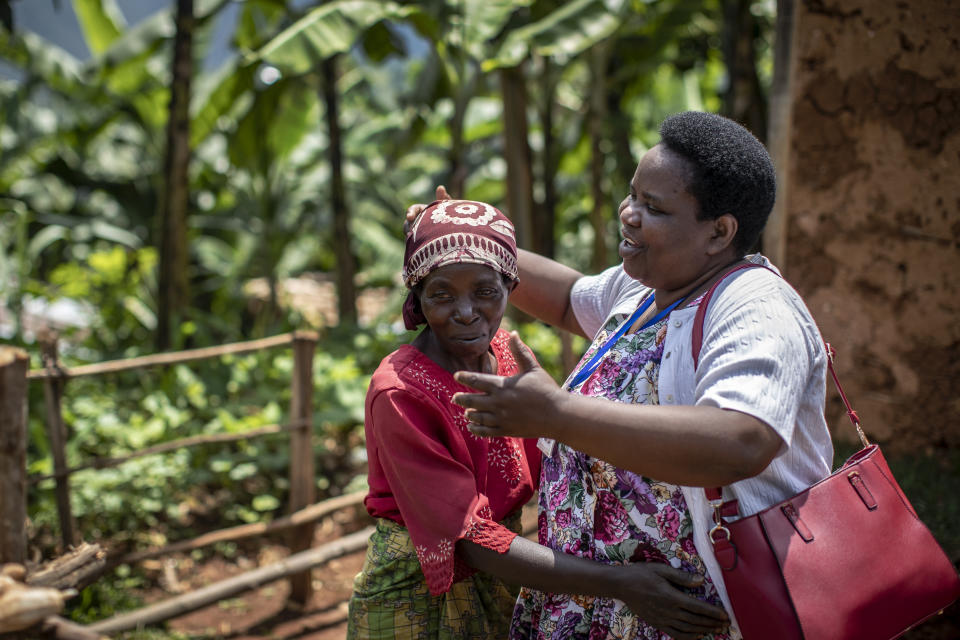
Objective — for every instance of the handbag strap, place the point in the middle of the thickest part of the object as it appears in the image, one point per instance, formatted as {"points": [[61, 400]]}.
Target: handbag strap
{"points": [[714, 494]]}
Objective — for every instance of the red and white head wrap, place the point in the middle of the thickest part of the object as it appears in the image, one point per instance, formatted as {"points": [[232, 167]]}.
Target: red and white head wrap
{"points": [[454, 231]]}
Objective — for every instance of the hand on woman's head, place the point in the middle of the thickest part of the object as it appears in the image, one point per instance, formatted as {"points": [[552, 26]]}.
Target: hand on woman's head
{"points": [[415, 210]]}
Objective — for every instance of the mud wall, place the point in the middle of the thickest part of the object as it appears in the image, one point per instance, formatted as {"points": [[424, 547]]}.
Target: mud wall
{"points": [[872, 211]]}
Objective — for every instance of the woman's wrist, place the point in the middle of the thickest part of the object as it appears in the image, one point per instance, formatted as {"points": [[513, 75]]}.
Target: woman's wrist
{"points": [[561, 415]]}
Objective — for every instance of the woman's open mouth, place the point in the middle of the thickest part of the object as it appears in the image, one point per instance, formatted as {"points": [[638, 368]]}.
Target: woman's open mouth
{"points": [[632, 244], [628, 246]]}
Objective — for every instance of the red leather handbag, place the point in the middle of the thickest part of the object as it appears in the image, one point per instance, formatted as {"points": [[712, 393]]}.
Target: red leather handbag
{"points": [[845, 559]]}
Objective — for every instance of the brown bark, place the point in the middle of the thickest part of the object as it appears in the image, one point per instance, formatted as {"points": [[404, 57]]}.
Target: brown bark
{"points": [[57, 435], [464, 87], [174, 294], [75, 570], [13, 454], [774, 241], [596, 116], [343, 246], [519, 177], [743, 100], [302, 475], [546, 212]]}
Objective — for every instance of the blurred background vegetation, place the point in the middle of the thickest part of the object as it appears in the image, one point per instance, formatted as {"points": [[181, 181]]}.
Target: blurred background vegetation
{"points": [[208, 171]]}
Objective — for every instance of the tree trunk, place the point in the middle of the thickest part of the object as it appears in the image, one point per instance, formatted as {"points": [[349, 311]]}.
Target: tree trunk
{"points": [[595, 125], [343, 247], [464, 87], [13, 454], [174, 294], [517, 151], [774, 240], [743, 100], [546, 212], [619, 131]]}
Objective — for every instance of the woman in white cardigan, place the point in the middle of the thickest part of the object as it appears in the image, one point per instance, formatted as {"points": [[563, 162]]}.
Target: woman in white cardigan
{"points": [[637, 431]]}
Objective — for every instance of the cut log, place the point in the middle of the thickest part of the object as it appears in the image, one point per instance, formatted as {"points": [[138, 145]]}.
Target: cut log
{"points": [[75, 570], [22, 607]]}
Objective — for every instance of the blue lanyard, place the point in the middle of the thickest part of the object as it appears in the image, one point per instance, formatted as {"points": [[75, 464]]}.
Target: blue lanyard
{"points": [[594, 362]]}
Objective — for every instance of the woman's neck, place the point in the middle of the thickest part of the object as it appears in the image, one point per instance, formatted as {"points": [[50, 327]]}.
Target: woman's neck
{"points": [[665, 297]]}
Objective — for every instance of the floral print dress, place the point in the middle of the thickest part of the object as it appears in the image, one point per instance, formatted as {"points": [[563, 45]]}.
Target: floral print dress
{"points": [[592, 509]]}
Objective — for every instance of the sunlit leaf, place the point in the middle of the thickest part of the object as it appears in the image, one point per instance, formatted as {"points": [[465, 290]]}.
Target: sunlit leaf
{"points": [[44, 238], [265, 502], [577, 26], [234, 81], [107, 231], [327, 30], [102, 22]]}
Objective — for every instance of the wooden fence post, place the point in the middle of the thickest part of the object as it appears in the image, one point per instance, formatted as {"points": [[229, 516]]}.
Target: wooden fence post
{"points": [[13, 454], [57, 433], [302, 475]]}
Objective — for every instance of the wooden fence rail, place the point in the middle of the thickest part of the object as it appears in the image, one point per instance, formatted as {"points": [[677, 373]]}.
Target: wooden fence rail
{"points": [[302, 517], [172, 445], [172, 357], [302, 513]]}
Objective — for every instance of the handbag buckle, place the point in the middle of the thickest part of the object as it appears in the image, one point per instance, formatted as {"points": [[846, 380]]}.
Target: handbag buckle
{"points": [[719, 527], [718, 520]]}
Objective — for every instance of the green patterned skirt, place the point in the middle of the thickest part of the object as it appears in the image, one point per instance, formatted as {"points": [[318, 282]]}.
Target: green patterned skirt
{"points": [[391, 599]]}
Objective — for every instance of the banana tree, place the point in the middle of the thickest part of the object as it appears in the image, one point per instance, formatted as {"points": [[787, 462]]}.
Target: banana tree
{"points": [[595, 62]]}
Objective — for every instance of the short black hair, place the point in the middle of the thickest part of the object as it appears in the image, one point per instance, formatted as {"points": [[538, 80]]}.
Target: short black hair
{"points": [[732, 171]]}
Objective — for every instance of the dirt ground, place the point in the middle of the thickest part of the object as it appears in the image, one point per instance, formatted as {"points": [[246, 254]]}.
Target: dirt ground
{"points": [[262, 614]]}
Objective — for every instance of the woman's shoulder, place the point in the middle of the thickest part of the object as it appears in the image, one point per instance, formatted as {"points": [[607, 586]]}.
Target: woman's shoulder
{"points": [[761, 300], [762, 285], [406, 369]]}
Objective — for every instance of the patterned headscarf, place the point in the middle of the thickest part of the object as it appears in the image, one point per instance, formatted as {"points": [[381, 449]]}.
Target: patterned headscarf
{"points": [[453, 231]]}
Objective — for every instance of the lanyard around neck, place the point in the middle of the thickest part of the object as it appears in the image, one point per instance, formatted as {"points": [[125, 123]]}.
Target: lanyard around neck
{"points": [[594, 362]]}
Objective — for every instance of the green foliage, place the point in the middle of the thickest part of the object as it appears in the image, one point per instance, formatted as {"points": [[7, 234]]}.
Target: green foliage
{"points": [[82, 147], [331, 28], [546, 345]]}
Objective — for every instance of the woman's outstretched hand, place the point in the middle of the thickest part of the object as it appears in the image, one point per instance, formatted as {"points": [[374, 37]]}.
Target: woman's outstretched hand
{"points": [[653, 592], [522, 405], [415, 210]]}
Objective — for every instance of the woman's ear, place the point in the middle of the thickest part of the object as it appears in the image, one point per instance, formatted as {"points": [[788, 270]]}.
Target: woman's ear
{"points": [[510, 284], [724, 232]]}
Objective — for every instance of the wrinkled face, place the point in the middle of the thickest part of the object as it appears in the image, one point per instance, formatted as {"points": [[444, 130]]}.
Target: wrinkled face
{"points": [[463, 304], [664, 244]]}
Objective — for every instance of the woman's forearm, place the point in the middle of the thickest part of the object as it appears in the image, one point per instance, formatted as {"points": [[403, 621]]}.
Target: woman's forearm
{"points": [[537, 567], [687, 445], [544, 291]]}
